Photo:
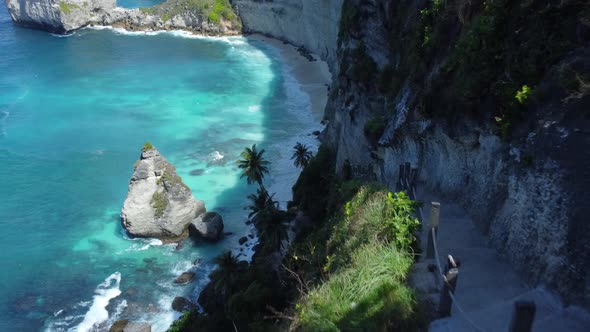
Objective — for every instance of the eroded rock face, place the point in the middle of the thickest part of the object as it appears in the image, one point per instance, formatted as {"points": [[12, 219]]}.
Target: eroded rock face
{"points": [[158, 204], [310, 23]]}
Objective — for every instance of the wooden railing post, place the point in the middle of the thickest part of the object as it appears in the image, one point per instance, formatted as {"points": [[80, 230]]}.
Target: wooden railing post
{"points": [[449, 285], [523, 316], [434, 220]]}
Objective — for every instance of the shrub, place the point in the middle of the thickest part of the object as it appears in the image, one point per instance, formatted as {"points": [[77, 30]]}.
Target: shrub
{"points": [[363, 254], [372, 214], [221, 8], [523, 94], [369, 295], [147, 146], [67, 7], [160, 203]]}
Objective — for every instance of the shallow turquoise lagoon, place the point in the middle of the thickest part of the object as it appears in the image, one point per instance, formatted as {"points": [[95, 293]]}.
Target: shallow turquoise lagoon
{"points": [[74, 113]]}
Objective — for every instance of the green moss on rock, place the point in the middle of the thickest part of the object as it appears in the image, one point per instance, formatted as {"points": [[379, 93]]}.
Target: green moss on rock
{"points": [[67, 8], [160, 203]]}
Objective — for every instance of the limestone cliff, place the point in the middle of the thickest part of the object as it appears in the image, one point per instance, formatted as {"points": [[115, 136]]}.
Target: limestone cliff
{"points": [[158, 203], [310, 23], [69, 15], [490, 101]]}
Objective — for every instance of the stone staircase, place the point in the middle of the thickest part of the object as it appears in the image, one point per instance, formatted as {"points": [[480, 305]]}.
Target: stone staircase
{"points": [[487, 287]]}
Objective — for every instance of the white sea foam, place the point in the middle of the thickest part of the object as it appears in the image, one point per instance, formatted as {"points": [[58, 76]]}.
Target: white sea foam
{"points": [[118, 311], [232, 40], [299, 105], [141, 244], [180, 267], [254, 108], [62, 36], [98, 313]]}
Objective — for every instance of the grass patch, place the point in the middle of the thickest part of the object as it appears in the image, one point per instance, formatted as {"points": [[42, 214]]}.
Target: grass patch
{"points": [[369, 295], [148, 10], [66, 7], [213, 10], [160, 203], [364, 253], [147, 146], [221, 8], [170, 178]]}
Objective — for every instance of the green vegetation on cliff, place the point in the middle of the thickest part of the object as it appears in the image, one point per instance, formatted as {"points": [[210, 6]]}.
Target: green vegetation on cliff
{"points": [[67, 8], [147, 146], [357, 263], [160, 203], [346, 269], [213, 10], [478, 60]]}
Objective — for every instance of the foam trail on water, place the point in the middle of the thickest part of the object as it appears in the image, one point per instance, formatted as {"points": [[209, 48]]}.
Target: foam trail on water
{"points": [[232, 40], [98, 313]]}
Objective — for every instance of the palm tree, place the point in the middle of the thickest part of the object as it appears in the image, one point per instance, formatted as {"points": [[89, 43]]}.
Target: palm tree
{"points": [[253, 164], [301, 155], [273, 230], [261, 201], [226, 270]]}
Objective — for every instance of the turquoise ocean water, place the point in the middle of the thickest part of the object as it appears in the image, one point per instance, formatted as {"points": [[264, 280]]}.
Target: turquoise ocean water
{"points": [[138, 3], [74, 113]]}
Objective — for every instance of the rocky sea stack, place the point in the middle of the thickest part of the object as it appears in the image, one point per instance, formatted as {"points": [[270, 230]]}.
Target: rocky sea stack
{"points": [[159, 204]]}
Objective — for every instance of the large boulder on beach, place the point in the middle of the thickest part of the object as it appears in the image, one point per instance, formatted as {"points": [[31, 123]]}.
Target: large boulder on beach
{"points": [[158, 204], [208, 225]]}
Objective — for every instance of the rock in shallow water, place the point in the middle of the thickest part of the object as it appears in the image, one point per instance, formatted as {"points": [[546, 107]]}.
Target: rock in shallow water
{"points": [[197, 172], [185, 277], [127, 326], [208, 225], [182, 304], [158, 204]]}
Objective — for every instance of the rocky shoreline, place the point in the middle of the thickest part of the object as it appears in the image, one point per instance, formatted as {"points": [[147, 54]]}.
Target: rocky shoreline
{"points": [[67, 16]]}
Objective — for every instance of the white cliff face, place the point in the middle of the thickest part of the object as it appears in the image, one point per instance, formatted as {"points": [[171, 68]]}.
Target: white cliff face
{"points": [[44, 13], [69, 15], [313, 24], [158, 203]]}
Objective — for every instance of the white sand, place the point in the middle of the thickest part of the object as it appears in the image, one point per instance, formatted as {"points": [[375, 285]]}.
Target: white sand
{"points": [[314, 76]]}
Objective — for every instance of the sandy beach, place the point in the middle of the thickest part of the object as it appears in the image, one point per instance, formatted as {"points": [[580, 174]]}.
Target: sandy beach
{"points": [[314, 76]]}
